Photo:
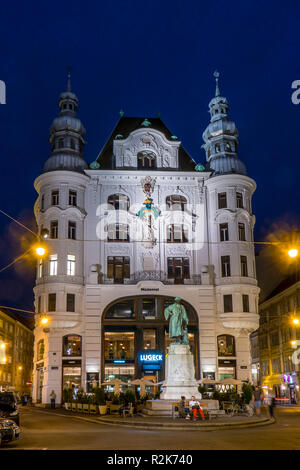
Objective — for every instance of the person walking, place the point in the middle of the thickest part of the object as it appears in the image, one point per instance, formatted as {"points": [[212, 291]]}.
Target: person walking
{"points": [[257, 398], [53, 398], [271, 405]]}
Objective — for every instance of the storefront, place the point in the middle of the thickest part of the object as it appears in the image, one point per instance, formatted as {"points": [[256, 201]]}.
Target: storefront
{"points": [[136, 325]]}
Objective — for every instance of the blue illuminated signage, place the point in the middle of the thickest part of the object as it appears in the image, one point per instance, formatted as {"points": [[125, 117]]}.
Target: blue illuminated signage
{"points": [[150, 357]]}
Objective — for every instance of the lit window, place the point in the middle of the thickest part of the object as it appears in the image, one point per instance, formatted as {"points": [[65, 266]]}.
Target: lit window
{"points": [[71, 265], [53, 265], [177, 234], [224, 235]]}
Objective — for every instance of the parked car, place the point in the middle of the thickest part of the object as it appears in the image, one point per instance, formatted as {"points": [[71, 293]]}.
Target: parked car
{"points": [[9, 407], [9, 431]]}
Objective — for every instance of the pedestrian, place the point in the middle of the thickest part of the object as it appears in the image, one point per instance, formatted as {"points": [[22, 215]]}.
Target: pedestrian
{"points": [[257, 398], [271, 405], [53, 398], [195, 406]]}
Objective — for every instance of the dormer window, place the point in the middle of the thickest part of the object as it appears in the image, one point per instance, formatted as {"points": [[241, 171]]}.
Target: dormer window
{"points": [[70, 106], [72, 144], [60, 143], [146, 160], [217, 148]]}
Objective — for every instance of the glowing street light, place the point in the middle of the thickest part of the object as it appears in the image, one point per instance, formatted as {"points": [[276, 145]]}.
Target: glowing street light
{"points": [[293, 342], [40, 250], [296, 321], [293, 252], [44, 320]]}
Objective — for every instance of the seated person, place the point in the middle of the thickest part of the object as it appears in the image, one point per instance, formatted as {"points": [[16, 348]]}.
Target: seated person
{"points": [[182, 409], [195, 406]]}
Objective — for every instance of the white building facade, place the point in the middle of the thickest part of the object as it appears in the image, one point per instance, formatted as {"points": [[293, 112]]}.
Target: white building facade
{"points": [[139, 226]]}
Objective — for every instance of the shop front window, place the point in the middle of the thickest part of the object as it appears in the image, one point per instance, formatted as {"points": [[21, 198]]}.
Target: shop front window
{"points": [[149, 309], [119, 346], [40, 350], [149, 339], [121, 310], [72, 379], [72, 345], [226, 345], [123, 373]]}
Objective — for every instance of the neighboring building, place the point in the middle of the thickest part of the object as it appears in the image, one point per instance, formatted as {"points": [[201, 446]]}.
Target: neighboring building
{"points": [[139, 226], [255, 368], [278, 360], [16, 352]]}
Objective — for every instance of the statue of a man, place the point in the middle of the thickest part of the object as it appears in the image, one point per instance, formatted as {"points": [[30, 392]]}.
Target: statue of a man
{"points": [[178, 320]]}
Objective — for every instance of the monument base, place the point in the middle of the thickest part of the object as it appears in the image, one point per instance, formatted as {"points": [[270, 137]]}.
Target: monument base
{"points": [[180, 374]]}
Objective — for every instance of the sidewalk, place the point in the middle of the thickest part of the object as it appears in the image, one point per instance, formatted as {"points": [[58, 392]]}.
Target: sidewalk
{"points": [[162, 423]]}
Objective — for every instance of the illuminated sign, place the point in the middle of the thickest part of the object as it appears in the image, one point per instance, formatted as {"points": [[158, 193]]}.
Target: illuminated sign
{"points": [[150, 357], [119, 361]]}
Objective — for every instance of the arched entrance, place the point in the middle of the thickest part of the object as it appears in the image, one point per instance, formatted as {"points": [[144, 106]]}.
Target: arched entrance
{"points": [[136, 324]]}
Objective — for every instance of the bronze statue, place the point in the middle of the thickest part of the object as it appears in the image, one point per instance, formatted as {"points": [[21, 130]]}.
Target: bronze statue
{"points": [[178, 320]]}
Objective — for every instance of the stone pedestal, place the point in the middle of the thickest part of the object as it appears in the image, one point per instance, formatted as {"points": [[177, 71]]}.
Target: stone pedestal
{"points": [[180, 374]]}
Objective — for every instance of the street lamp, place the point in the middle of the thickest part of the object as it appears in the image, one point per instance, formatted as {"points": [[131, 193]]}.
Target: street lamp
{"points": [[44, 320], [293, 252]]}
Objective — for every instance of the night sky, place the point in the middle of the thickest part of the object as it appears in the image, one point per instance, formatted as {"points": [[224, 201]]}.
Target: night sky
{"points": [[147, 57]]}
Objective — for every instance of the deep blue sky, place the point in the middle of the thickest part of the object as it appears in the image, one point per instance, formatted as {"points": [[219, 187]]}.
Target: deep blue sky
{"points": [[148, 57]]}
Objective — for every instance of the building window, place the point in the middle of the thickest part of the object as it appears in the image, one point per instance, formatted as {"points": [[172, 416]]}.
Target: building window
{"points": [[176, 203], [222, 200], [42, 202], [178, 269], [61, 143], [245, 298], [239, 201], [40, 268], [149, 339], [40, 350], [274, 338], [51, 302], [72, 345], [119, 202], [72, 230], [53, 265], [276, 367], [118, 346], [225, 263], [72, 198], [224, 234], [244, 268], [118, 232], [146, 160], [149, 308], [265, 368], [263, 342], [177, 233], [72, 141], [55, 198], [70, 307], [54, 229], [121, 310], [118, 268], [71, 261], [226, 345], [227, 299], [242, 235]]}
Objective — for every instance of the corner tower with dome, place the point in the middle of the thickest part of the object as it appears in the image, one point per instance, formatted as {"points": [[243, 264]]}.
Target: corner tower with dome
{"points": [[141, 224]]}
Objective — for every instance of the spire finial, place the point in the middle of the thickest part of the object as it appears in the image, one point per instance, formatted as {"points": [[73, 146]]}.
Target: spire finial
{"points": [[69, 69], [216, 75], [121, 113]]}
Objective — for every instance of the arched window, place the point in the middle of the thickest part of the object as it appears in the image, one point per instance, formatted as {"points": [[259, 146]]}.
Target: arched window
{"points": [[60, 143], [72, 144], [120, 202], [226, 345], [72, 345], [40, 350], [176, 203], [217, 148], [146, 160]]}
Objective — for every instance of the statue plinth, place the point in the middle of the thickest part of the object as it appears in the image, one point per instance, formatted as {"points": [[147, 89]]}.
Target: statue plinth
{"points": [[180, 374]]}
